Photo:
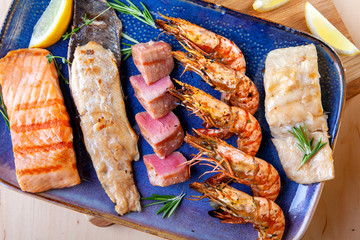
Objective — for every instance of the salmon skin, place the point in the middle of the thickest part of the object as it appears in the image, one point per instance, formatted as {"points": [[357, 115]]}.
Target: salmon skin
{"points": [[40, 130], [104, 30], [108, 136]]}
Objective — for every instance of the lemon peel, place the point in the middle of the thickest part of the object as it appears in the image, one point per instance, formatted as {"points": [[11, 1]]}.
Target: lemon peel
{"points": [[267, 5], [52, 24], [322, 28]]}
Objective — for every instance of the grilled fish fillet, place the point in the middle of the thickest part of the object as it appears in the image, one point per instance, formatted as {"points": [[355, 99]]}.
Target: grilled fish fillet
{"points": [[41, 134], [108, 136], [293, 97]]}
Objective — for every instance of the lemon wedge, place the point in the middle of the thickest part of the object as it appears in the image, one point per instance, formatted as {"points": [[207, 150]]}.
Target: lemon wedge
{"points": [[322, 28], [267, 5], [52, 24]]}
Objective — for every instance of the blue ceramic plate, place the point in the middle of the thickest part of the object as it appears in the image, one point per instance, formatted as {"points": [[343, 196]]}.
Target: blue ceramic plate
{"points": [[256, 38]]}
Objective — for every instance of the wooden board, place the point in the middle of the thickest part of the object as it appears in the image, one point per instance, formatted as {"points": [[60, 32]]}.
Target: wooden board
{"points": [[292, 15], [336, 216]]}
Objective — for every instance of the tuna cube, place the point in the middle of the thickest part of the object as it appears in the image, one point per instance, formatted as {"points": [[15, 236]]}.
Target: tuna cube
{"points": [[154, 98], [167, 171], [153, 59], [164, 134]]}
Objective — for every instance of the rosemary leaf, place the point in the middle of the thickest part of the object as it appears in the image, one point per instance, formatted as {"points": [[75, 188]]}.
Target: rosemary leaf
{"points": [[147, 13], [174, 207], [170, 203], [4, 111], [133, 6], [4, 114], [51, 57], [86, 22], [170, 208], [305, 144], [127, 51], [127, 44], [166, 206], [155, 197], [143, 16], [127, 37], [156, 203], [120, 3]]}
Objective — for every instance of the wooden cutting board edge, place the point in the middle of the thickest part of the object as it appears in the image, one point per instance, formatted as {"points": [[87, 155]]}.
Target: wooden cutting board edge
{"points": [[292, 15]]}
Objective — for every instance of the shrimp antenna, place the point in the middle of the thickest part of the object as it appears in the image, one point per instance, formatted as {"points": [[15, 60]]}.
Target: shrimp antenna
{"points": [[157, 39]]}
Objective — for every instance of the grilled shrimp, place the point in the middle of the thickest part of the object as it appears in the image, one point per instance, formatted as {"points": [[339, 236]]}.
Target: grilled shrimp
{"points": [[239, 207], [260, 175], [208, 43], [218, 114], [238, 90]]}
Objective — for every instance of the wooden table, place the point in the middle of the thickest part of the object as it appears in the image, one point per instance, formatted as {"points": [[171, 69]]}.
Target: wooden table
{"points": [[337, 215]]}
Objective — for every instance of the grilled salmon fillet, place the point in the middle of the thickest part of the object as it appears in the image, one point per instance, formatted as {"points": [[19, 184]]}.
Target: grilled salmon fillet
{"points": [[41, 134], [108, 136]]}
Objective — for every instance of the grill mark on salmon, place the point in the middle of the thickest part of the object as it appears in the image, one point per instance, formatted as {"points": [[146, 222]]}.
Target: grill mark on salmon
{"points": [[42, 148], [39, 124], [39, 170], [41, 104]]}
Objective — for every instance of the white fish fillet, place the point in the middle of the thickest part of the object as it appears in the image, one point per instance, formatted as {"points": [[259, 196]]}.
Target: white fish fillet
{"points": [[108, 136], [293, 97]]}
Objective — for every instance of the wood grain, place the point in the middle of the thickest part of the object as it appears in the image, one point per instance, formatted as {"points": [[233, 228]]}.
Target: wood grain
{"points": [[337, 215], [292, 15]]}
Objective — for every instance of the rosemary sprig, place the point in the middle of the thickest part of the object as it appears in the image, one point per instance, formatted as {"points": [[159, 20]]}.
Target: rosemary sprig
{"points": [[305, 144], [87, 22], [4, 111], [51, 57], [127, 51], [133, 10], [170, 203], [124, 35]]}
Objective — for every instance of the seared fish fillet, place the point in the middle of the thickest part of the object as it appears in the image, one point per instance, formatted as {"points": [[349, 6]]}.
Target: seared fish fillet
{"points": [[108, 136], [41, 134], [293, 97], [105, 30]]}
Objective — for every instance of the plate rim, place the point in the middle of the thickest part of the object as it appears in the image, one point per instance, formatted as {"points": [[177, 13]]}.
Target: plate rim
{"points": [[170, 234], [7, 20]]}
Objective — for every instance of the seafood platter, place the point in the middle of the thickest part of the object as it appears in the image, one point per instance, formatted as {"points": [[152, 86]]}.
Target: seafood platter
{"points": [[222, 122]]}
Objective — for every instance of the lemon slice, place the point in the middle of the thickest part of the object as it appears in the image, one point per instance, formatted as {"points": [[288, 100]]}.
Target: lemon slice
{"points": [[267, 5], [322, 28], [52, 24]]}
